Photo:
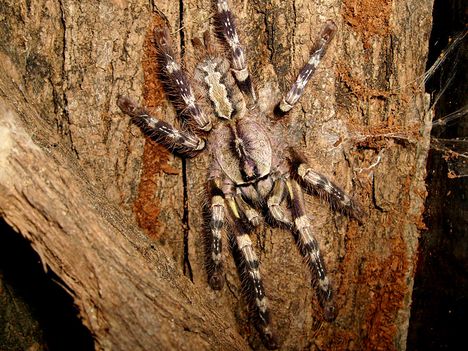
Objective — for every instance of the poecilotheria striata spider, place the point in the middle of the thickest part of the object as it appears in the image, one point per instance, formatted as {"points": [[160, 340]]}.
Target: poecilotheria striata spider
{"points": [[254, 172]]}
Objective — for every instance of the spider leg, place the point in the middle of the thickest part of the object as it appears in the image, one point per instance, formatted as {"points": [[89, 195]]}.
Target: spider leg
{"points": [[297, 90], [182, 142], [218, 209], [226, 26], [276, 198], [244, 243], [177, 84], [219, 197], [222, 193], [310, 249], [250, 213], [317, 183]]}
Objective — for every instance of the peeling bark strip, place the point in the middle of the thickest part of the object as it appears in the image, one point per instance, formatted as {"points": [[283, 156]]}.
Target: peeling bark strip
{"points": [[67, 155]]}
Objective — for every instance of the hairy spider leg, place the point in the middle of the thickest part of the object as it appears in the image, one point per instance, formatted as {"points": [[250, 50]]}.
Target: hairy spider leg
{"points": [[182, 142], [248, 211], [317, 183], [177, 84], [254, 280], [311, 250], [276, 198], [225, 23], [297, 90], [330, 191], [218, 210], [217, 223]]}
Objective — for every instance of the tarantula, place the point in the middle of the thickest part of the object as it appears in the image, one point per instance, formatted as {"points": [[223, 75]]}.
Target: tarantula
{"points": [[254, 173]]}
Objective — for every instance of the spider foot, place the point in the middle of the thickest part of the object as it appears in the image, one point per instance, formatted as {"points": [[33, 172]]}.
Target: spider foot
{"points": [[358, 213], [329, 312], [269, 339], [216, 281], [327, 302]]}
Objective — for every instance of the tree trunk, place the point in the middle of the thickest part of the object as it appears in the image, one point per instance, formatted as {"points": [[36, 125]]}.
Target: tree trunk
{"points": [[78, 178]]}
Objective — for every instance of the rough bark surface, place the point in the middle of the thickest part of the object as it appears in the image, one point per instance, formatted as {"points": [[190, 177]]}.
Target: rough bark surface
{"points": [[78, 178]]}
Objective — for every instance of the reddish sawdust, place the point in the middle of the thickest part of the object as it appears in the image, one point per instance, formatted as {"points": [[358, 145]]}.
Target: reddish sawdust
{"points": [[357, 88], [386, 283], [368, 17], [155, 157]]}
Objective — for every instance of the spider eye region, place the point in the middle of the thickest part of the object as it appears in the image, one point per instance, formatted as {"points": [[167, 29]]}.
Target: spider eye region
{"points": [[247, 156]]}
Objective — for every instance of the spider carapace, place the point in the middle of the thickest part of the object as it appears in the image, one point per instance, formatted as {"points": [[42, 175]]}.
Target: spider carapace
{"points": [[254, 172]]}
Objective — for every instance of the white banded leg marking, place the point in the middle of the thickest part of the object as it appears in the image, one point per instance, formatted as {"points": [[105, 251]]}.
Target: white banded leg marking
{"points": [[176, 137], [225, 22], [274, 202], [297, 89], [163, 132], [312, 250], [309, 243], [184, 90], [319, 182], [251, 214], [251, 262], [216, 225], [218, 212], [178, 81], [252, 265]]}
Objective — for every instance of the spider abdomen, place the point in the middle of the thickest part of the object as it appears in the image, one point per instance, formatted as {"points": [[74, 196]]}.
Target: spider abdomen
{"points": [[215, 76]]}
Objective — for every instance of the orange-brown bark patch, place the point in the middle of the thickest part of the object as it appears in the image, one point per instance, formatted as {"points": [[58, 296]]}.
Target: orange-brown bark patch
{"points": [[155, 156], [368, 17]]}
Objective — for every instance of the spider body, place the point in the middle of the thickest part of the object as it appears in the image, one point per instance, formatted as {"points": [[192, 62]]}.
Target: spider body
{"points": [[254, 172]]}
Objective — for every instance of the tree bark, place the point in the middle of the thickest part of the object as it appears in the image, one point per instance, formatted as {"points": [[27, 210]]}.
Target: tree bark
{"points": [[78, 178]]}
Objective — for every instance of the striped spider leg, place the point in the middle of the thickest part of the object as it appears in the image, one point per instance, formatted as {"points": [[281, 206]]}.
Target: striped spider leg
{"points": [[317, 184], [252, 275], [287, 188], [276, 199], [226, 26], [310, 249], [178, 88], [230, 209], [178, 85], [181, 142], [304, 178], [317, 52], [218, 213]]}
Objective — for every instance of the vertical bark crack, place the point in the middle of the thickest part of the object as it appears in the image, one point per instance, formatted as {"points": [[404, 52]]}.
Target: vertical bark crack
{"points": [[185, 218], [65, 112], [186, 225], [292, 53]]}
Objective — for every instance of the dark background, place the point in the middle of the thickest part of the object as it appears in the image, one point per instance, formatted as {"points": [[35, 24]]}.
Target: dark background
{"points": [[439, 314]]}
